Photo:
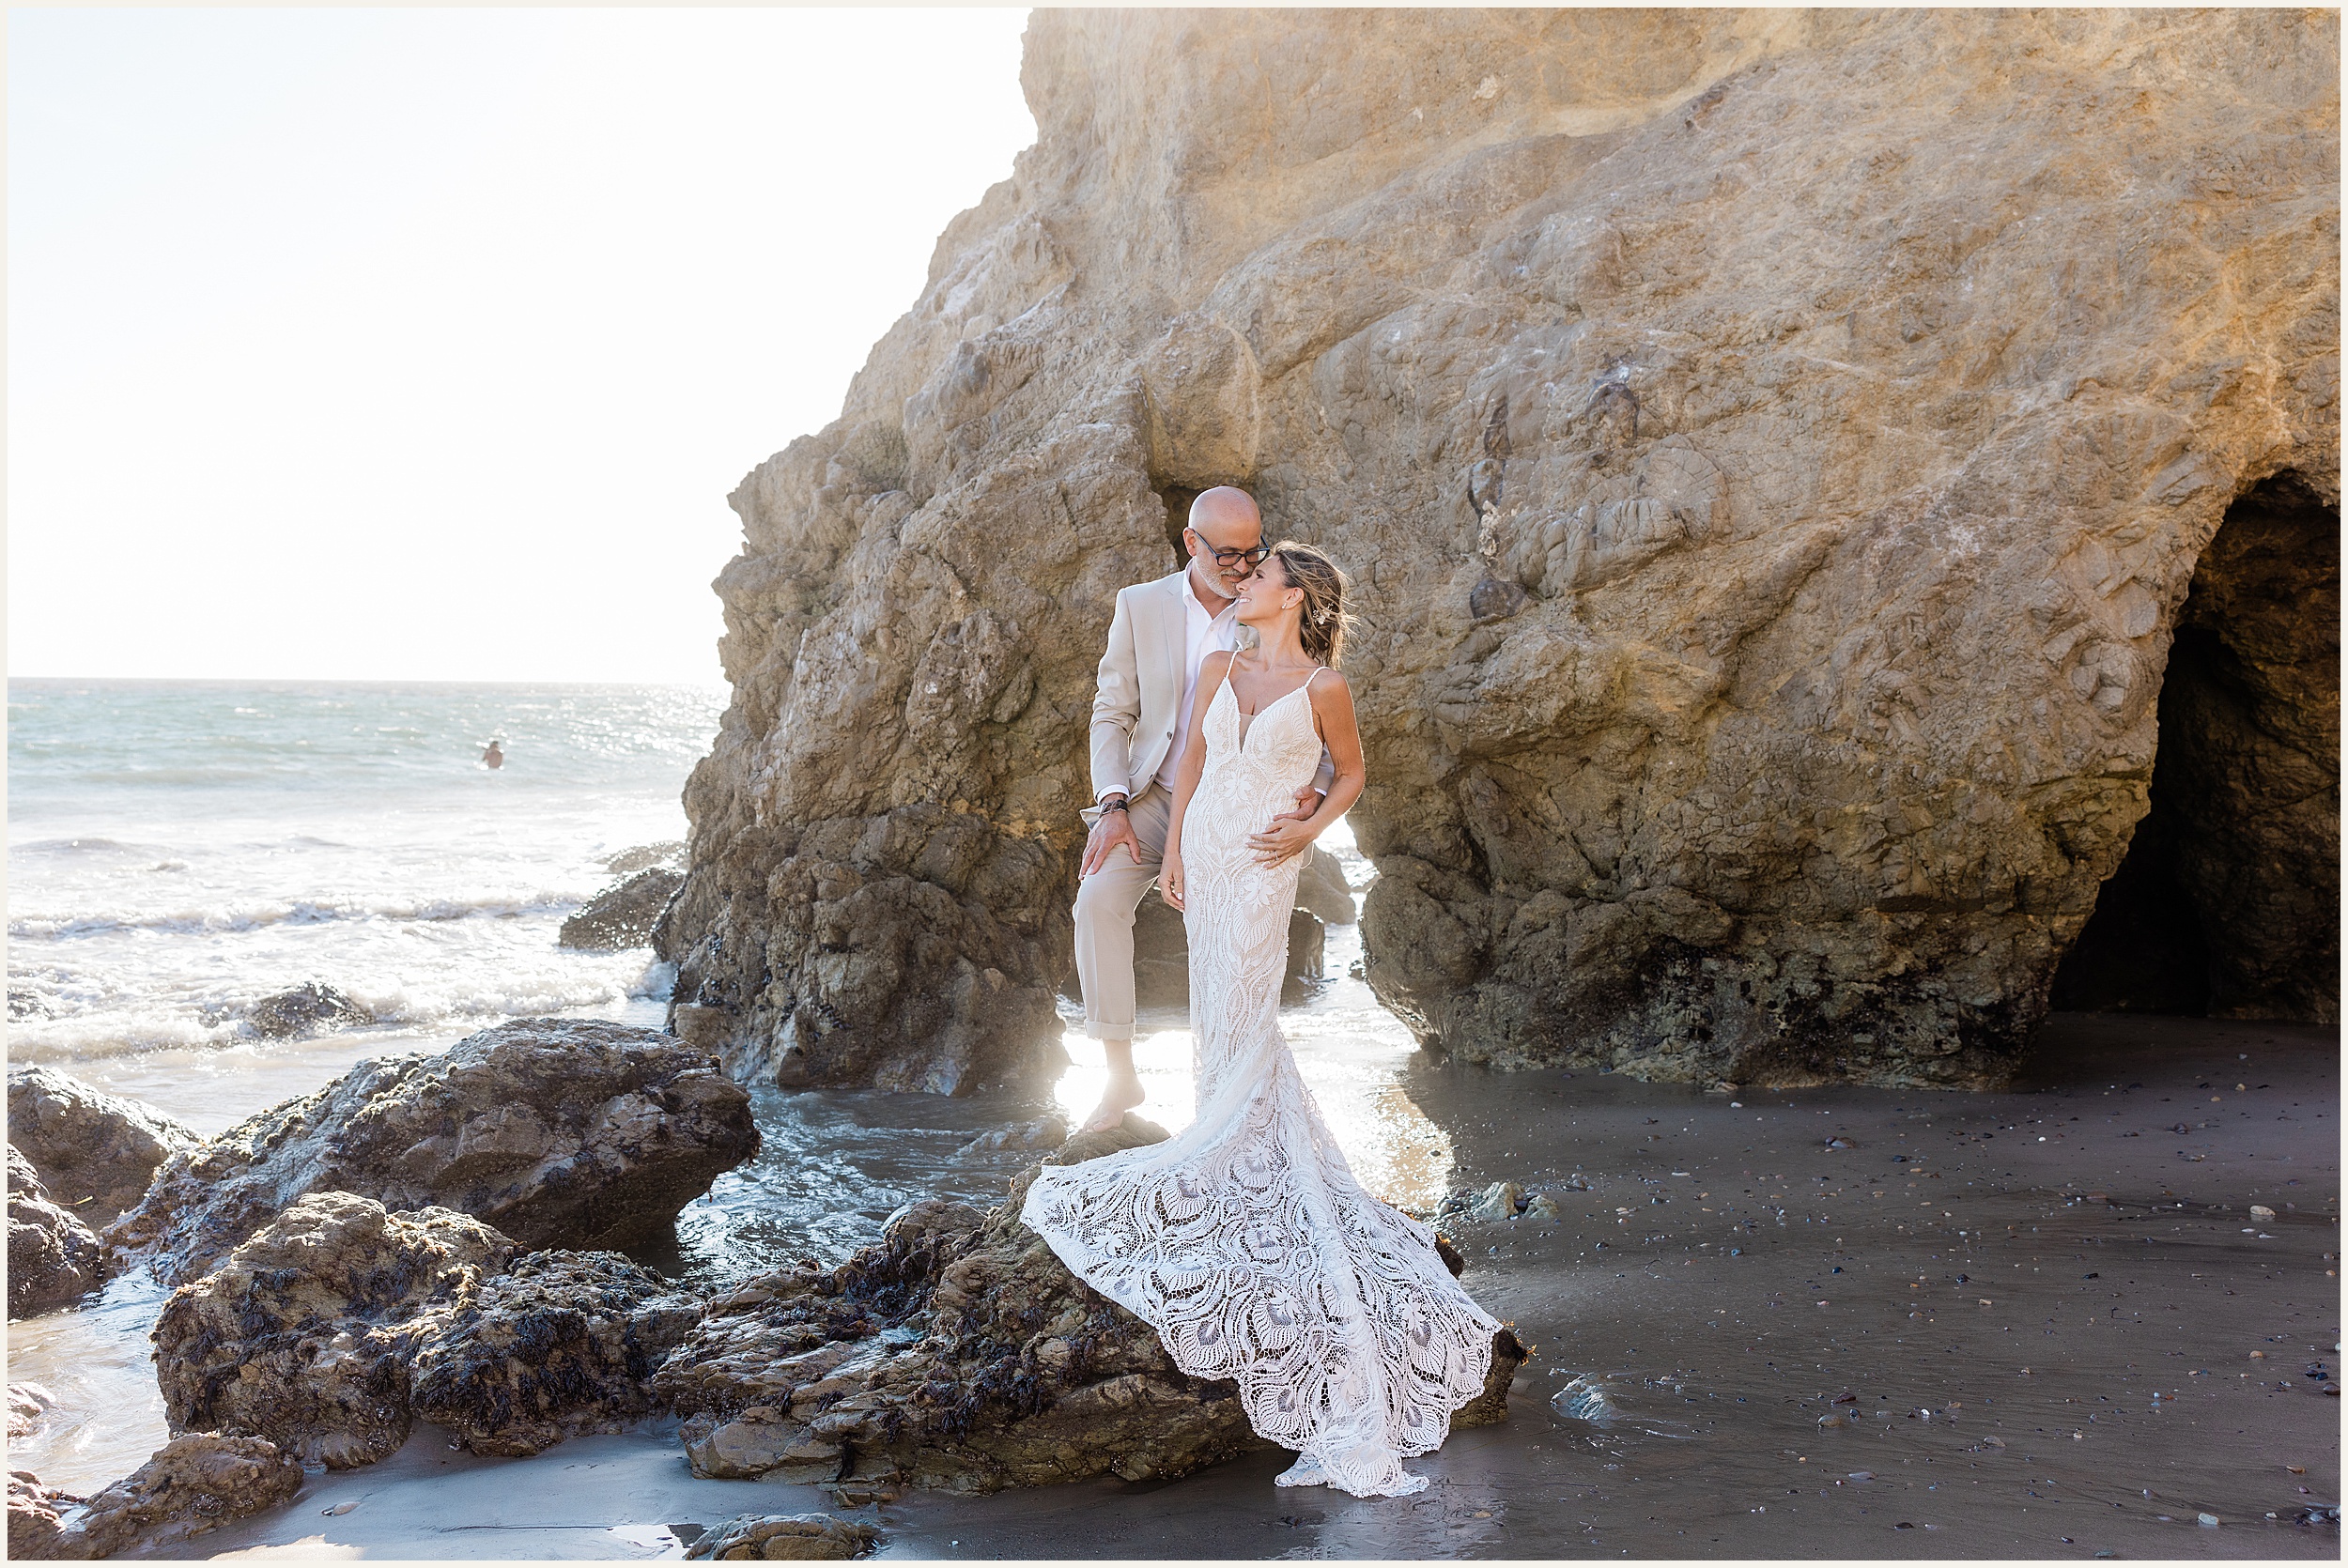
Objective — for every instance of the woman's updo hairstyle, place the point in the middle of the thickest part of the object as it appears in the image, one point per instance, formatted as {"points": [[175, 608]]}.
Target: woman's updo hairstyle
{"points": [[1323, 623]]}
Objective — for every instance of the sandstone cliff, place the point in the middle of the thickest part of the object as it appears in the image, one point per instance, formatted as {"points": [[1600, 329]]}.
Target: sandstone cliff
{"points": [[1774, 450]]}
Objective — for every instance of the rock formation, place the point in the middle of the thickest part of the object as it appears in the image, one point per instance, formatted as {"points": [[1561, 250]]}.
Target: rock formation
{"points": [[27, 1403], [96, 1152], [1162, 955], [624, 913], [561, 1345], [1322, 891], [669, 853], [563, 1132], [302, 1334], [1772, 449], [308, 1008], [37, 1519], [958, 1354], [790, 1537], [54, 1259], [340, 1325], [193, 1484]]}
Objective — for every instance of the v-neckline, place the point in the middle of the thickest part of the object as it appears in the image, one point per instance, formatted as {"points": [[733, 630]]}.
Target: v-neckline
{"points": [[1274, 702], [1246, 729]]}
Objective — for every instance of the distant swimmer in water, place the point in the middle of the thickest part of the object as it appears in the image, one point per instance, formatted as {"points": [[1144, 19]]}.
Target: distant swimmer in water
{"points": [[494, 757]]}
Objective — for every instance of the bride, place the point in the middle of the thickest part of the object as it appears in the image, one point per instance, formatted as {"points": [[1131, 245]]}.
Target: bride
{"points": [[1245, 1238]]}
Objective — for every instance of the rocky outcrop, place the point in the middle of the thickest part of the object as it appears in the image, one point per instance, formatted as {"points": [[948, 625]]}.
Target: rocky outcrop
{"points": [[1323, 892], [335, 1330], [96, 1152], [303, 1334], [54, 1259], [193, 1484], [790, 1537], [563, 1132], [669, 853], [958, 1354], [624, 913], [1162, 955], [37, 1518], [1772, 449], [27, 1403], [562, 1344], [308, 1008]]}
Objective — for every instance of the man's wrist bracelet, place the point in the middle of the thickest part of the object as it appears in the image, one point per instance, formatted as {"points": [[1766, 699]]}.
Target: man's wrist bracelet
{"points": [[1112, 805]]}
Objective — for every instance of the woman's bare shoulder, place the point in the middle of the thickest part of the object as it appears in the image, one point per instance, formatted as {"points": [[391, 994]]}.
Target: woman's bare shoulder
{"points": [[1326, 681]]}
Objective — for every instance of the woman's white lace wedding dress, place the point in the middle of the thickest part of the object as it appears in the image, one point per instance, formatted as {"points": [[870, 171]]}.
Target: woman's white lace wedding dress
{"points": [[1245, 1238]]}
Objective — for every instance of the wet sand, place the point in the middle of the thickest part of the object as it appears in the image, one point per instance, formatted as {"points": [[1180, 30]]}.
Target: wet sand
{"points": [[2031, 1269]]}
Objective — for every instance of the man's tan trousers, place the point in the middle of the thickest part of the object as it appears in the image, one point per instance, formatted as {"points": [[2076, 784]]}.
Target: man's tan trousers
{"points": [[1105, 901]]}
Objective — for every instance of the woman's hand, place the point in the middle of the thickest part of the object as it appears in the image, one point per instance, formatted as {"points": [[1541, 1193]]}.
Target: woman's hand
{"points": [[1286, 838], [1170, 878]]}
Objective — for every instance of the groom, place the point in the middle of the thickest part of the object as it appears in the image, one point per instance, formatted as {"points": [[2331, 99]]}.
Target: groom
{"points": [[1141, 712]]}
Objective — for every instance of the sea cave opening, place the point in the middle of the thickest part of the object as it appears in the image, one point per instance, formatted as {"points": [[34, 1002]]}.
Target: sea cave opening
{"points": [[2227, 902]]}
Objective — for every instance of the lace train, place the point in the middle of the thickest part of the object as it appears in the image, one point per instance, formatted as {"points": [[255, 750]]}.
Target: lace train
{"points": [[1245, 1239]]}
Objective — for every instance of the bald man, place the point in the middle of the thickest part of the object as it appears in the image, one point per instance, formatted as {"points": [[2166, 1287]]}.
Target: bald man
{"points": [[1149, 679]]}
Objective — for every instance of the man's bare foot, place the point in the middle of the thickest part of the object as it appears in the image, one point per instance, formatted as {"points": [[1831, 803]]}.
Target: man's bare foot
{"points": [[1118, 1099]]}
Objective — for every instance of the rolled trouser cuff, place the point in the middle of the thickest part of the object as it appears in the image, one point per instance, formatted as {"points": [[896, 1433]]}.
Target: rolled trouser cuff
{"points": [[1108, 1030]]}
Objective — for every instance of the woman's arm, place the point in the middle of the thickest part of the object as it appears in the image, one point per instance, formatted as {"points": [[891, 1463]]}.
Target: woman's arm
{"points": [[1213, 669], [1333, 712]]}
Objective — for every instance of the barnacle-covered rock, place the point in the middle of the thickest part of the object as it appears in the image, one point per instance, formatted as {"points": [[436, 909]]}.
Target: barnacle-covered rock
{"points": [[96, 1152], [561, 1132], [562, 1344], [960, 1354], [301, 1335], [54, 1259], [193, 1484]]}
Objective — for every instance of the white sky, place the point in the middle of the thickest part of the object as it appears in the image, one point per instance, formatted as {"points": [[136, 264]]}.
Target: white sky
{"points": [[427, 344]]}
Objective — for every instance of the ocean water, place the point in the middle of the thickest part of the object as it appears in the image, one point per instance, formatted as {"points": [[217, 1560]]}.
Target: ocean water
{"points": [[179, 850]]}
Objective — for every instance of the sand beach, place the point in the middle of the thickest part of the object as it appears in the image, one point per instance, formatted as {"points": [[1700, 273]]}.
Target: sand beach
{"points": [[2038, 1309]]}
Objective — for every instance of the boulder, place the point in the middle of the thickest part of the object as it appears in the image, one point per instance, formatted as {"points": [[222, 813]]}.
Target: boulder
{"points": [[562, 1344], [193, 1484], [1045, 1132], [624, 913], [54, 1259], [27, 1403], [1760, 667], [308, 1008], [302, 1334], [36, 1520], [754, 1537], [1322, 891], [959, 1353], [96, 1152], [669, 853], [1162, 955], [1502, 1200], [570, 1132]]}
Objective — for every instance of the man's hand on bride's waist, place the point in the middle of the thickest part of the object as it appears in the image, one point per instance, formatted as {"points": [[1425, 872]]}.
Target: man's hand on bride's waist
{"points": [[1287, 837]]}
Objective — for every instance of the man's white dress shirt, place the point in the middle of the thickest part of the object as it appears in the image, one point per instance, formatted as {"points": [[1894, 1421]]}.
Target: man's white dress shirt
{"points": [[1204, 634]]}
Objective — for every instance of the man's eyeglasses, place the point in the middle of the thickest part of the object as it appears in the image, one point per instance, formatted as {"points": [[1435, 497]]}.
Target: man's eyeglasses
{"points": [[1255, 557]]}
